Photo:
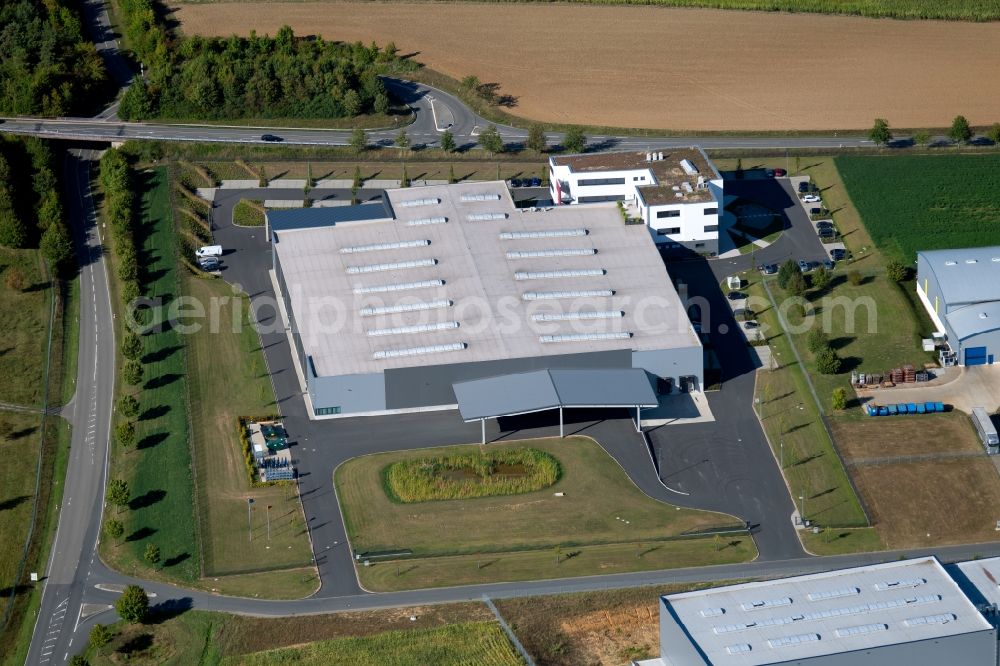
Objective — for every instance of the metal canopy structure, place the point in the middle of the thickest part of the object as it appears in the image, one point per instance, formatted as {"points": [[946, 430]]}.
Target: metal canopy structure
{"points": [[541, 390]]}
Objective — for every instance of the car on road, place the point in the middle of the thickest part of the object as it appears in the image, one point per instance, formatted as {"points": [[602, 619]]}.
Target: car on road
{"points": [[803, 187], [768, 269], [805, 266], [811, 198], [736, 296], [270, 137], [750, 325], [838, 254]]}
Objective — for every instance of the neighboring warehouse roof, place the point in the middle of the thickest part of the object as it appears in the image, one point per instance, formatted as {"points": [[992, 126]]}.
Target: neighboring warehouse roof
{"points": [[460, 275], [835, 612], [286, 219], [980, 579], [966, 275], [668, 172], [526, 392], [974, 319]]}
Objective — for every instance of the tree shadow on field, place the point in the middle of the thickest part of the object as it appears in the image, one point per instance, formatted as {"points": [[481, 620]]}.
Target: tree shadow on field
{"points": [[140, 534], [14, 502], [149, 441], [146, 500], [154, 413]]}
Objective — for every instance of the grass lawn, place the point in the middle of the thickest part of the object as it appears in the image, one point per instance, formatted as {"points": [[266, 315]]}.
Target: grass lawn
{"points": [[598, 499], [941, 201], [454, 645], [24, 301], [382, 170], [956, 502], [227, 378], [248, 213], [584, 560], [198, 637], [951, 432], [158, 470], [840, 541], [795, 430], [17, 490]]}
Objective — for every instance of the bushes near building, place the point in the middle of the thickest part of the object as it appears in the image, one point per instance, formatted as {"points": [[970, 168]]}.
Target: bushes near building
{"points": [[503, 472]]}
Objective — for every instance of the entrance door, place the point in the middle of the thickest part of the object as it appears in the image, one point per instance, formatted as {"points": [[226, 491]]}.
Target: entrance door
{"points": [[976, 356]]}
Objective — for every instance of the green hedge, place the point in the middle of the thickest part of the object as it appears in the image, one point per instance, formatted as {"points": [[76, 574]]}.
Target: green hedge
{"points": [[470, 475]]}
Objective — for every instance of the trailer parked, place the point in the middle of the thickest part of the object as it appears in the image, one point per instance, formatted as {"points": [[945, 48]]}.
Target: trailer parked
{"points": [[986, 430]]}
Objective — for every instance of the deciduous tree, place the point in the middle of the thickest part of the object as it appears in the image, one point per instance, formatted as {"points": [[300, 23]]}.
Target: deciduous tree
{"points": [[575, 141], [118, 494], [880, 134], [536, 139], [447, 141], [133, 604], [960, 131]]}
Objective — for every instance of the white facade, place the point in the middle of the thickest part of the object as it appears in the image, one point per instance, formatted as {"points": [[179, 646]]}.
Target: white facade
{"points": [[680, 208]]}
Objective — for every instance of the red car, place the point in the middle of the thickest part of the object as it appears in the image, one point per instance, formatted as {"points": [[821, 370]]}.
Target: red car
{"points": [[780, 173]]}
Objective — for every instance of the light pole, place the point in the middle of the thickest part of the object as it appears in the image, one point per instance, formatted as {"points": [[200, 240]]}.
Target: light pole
{"points": [[250, 518], [802, 509], [268, 522], [781, 447]]}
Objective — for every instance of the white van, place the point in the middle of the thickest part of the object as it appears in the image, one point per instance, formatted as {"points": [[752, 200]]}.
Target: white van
{"points": [[209, 251]]}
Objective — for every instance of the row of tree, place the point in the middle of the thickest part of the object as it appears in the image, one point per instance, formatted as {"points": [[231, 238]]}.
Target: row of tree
{"points": [[46, 66], [490, 140], [254, 77], [31, 210], [959, 132]]}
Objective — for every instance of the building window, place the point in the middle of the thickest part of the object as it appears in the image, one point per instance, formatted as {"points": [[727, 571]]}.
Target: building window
{"points": [[711, 227], [326, 411], [597, 199], [637, 179], [668, 231], [587, 182], [660, 214], [711, 211]]}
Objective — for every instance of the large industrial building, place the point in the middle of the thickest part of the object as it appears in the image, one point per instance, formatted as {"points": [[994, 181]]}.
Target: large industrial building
{"points": [[391, 304], [678, 193], [911, 612], [961, 291]]}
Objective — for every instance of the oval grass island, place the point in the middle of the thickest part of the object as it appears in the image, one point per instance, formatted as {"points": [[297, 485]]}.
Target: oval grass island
{"points": [[591, 520]]}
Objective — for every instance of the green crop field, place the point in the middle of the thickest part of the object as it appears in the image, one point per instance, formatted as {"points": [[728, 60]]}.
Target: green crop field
{"points": [[925, 202], [159, 468]]}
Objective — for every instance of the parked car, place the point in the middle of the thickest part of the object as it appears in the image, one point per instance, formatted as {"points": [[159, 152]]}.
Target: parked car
{"points": [[804, 266], [826, 232], [780, 173], [769, 173], [535, 182], [824, 224], [838, 254], [811, 198], [736, 295], [828, 265], [270, 137], [209, 264], [768, 269], [208, 251], [803, 187], [750, 325], [515, 182]]}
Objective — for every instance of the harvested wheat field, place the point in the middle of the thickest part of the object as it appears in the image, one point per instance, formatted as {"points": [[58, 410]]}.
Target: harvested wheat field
{"points": [[681, 69]]}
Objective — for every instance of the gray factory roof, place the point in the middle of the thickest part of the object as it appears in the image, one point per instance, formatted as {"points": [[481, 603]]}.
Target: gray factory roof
{"points": [[286, 219], [826, 613], [980, 579], [526, 392], [967, 275], [460, 275], [974, 319]]}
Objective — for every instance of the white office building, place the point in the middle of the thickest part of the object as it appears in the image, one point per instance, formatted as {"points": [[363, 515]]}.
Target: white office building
{"points": [[677, 193]]}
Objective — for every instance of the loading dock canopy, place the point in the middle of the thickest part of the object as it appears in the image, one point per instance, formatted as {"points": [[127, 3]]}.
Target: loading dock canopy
{"points": [[527, 392]]}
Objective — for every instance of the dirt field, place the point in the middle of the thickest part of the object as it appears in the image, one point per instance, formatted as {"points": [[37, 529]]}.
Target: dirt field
{"points": [[954, 501], [906, 436], [682, 69]]}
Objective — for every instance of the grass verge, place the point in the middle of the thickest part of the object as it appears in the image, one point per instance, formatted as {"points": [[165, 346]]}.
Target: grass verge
{"points": [[583, 560], [248, 213], [227, 378], [24, 301]]}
